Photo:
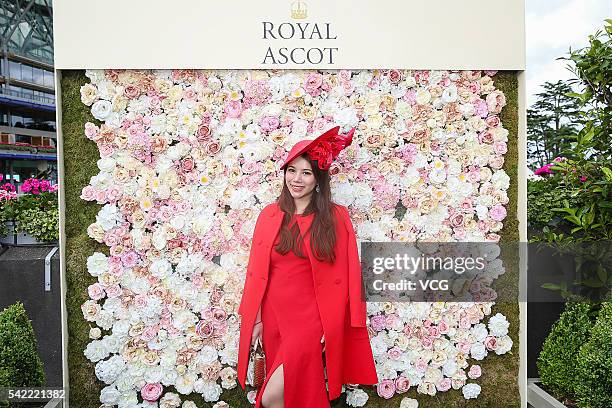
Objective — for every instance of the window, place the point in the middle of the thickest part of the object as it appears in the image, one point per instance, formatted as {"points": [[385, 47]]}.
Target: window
{"points": [[39, 76], [49, 79], [27, 73], [15, 69]]}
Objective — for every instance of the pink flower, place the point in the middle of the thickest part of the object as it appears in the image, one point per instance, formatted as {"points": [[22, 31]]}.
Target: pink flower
{"points": [[345, 75], [490, 343], [583, 178], [444, 384], [131, 91], [544, 170], [233, 109], [151, 391], [313, 81], [394, 353], [500, 147], [88, 193], [378, 322], [385, 389], [498, 212], [496, 100], [475, 372], [269, 123], [402, 384], [114, 290], [96, 292]]}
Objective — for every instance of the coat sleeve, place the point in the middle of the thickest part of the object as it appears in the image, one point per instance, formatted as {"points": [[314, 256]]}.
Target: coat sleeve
{"points": [[357, 304], [249, 278]]}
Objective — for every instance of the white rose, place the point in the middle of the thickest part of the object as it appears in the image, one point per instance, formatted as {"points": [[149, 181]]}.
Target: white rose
{"points": [[189, 404], [470, 391], [498, 325], [161, 268], [504, 344], [101, 109], [95, 333], [478, 351], [109, 395], [423, 97], [97, 264], [479, 332], [356, 398], [95, 351], [211, 391], [409, 403]]}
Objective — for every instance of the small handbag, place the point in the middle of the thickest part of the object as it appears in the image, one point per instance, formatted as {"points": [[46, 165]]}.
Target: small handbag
{"points": [[259, 364]]}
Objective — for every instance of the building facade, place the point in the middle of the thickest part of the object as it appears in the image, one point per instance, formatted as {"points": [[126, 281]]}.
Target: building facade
{"points": [[27, 92]]}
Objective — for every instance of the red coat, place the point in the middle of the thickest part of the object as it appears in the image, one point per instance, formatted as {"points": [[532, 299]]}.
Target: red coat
{"points": [[338, 289]]}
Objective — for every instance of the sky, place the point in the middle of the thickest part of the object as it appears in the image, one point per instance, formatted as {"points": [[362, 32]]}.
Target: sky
{"points": [[552, 26]]}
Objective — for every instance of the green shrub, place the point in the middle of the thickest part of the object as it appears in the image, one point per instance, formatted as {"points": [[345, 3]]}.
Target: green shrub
{"points": [[594, 364], [557, 360], [20, 365]]}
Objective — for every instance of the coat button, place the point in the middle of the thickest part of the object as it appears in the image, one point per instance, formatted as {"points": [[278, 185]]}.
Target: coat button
{"points": [[337, 281], [250, 273], [259, 241]]}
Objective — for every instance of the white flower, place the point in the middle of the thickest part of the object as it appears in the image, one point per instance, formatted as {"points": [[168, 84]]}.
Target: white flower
{"points": [[479, 331], [109, 395], [107, 371], [356, 398], [161, 268], [211, 391], [101, 109], [409, 403], [470, 391], [504, 344], [498, 325], [189, 404], [500, 180], [478, 351], [449, 94], [95, 333], [95, 351], [97, 264], [108, 217]]}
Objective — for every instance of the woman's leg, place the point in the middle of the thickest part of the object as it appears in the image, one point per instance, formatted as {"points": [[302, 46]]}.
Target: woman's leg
{"points": [[274, 391]]}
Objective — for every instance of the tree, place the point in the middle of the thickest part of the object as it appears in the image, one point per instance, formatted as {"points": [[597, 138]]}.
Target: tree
{"points": [[552, 123]]}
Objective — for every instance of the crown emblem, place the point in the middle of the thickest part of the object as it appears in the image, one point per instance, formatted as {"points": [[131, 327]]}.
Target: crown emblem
{"points": [[299, 10]]}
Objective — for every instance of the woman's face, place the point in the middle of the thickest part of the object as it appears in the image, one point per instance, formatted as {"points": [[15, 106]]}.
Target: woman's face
{"points": [[299, 178]]}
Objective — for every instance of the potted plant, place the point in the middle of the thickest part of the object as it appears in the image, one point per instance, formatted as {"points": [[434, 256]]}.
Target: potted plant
{"points": [[31, 217]]}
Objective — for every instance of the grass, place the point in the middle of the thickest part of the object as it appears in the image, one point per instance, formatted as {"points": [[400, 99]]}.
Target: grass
{"points": [[499, 381]]}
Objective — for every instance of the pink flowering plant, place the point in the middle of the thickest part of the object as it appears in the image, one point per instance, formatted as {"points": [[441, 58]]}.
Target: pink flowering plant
{"points": [[189, 158], [35, 210]]}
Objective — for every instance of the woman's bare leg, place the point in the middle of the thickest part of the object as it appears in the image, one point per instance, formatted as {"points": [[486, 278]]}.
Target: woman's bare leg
{"points": [[274, 391]]}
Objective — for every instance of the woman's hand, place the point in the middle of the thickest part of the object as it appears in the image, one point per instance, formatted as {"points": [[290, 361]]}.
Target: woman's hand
{"points": [[323, 342], [257, 331]]}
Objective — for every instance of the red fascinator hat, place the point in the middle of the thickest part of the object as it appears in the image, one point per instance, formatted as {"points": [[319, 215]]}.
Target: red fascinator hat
{"points": [[324, 149]]}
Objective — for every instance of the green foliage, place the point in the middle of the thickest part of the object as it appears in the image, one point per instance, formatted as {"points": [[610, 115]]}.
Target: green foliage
{"points": [[38, 215], [20, 365], [551, 122], [594, 364], [557, 361], [542, 197]]}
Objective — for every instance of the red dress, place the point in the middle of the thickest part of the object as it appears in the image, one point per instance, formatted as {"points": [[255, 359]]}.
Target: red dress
{"points": [[292, 331]]}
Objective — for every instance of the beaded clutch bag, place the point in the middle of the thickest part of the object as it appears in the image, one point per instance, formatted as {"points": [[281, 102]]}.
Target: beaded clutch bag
{"points": [[259, 364]]}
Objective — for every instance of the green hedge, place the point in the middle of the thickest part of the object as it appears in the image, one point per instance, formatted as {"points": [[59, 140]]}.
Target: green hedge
{"points": [[558, 358], [20, 365], [594, 364]]}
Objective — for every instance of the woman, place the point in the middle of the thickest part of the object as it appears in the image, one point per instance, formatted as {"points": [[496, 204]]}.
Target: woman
{"points": [[303, 290]]}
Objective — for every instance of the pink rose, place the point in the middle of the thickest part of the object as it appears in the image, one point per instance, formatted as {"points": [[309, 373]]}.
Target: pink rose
{"points": [[385, 389], [496, 100], [402, 384], [113, 193], [91, 130], [131, 92], [233, 109], [490, 343], [269, 123], [88, 193], [151, 391], [444, 384], [480, 108], [345, 75], [475, 372], [420, 364], [96, 292], [394, 353], [395, 76], [113, 291], [187, 164], [378, 322], [492, 121], [500, 147], [485, 137], [497, 212], [464, 346], [443, 327], [313, 81], [212, 147]]}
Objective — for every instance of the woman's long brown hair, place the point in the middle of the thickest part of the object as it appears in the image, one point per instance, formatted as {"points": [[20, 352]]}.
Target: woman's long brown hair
{"points": [[322, 231]]}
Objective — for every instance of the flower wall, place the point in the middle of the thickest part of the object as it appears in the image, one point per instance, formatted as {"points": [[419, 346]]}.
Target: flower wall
{"points": [[189, 158]]}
